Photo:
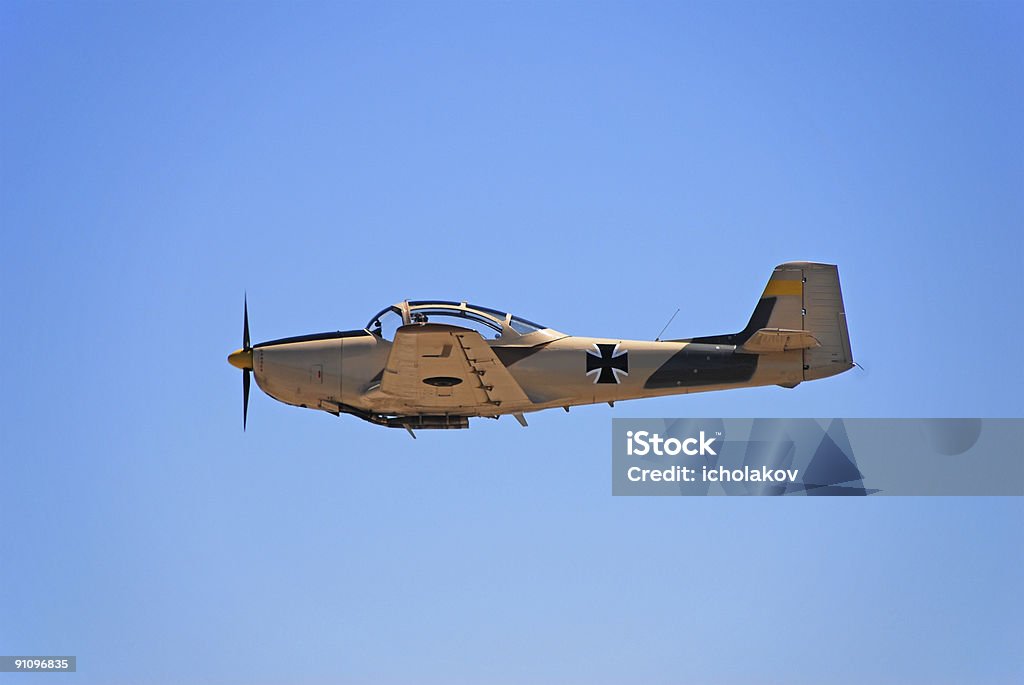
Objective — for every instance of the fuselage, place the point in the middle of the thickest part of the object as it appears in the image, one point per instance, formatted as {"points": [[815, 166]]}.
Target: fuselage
{"points": [[321, 372]]}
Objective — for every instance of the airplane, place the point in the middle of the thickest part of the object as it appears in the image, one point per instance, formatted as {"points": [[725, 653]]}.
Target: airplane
{"points": [[434, 364]]}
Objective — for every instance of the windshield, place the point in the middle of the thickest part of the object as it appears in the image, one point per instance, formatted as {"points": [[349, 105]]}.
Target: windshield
{"points": [[385, 323]]}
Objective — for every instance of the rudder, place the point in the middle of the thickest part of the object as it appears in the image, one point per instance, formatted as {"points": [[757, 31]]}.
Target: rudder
{"points": [[824, 315]]}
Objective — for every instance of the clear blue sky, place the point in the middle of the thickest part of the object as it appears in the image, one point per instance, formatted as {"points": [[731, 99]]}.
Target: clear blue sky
{"points": [[589, 166]]}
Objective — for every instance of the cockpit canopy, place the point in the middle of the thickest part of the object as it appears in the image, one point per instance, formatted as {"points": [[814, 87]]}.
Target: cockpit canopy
{"points": [[490, 323]]}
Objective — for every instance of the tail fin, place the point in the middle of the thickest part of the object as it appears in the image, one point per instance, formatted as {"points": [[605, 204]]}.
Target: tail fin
{"points": [[804, 296], [800, 308]]}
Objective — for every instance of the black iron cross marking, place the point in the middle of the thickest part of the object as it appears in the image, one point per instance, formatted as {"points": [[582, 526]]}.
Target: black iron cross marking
{"points": [[609, 362]]}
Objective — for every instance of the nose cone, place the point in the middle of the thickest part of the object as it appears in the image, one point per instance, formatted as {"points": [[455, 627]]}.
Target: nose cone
{"points": [[241, 359]]}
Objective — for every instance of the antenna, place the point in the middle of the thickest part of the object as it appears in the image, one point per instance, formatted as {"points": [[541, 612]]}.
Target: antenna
{"points": [[658, 339]]}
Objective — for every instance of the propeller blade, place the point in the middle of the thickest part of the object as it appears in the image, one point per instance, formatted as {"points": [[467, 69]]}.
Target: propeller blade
{"points": [[245, 398], [245, 331]]}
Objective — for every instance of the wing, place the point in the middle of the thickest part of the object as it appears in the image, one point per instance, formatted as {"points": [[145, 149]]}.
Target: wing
{"points": [[433, 367]]}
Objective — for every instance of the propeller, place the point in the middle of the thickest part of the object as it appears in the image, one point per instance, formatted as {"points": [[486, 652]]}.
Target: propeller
{"points": [[242, 359]]}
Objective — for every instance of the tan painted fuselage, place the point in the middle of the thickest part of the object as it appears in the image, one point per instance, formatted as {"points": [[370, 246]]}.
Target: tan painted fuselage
{"points": [[434, 372], [347, 371]]}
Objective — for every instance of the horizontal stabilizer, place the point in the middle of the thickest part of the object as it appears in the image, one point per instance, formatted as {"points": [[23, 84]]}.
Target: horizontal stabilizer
{"points": [[769, 340]]}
